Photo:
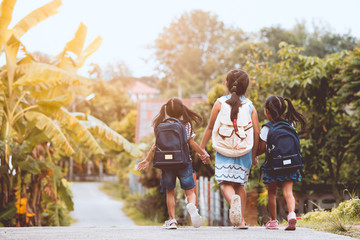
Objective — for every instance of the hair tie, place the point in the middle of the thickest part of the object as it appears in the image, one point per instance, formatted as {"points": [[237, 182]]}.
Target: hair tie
{"points": [[233, 89], [235, 83]]}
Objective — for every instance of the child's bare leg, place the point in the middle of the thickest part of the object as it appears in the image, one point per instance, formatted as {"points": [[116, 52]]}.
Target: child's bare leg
{"points": [[288, 195], [170, 202], [196, 219], [272, 191], [227, 190], [190, 196], [241, 191]]}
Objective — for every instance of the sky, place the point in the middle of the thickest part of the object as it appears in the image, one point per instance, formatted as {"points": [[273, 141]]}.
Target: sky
{"points": [[130, 27]]}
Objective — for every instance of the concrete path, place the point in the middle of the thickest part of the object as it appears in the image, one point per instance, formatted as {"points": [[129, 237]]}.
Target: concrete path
{"points": [[137, 232], [95, 208], [100, 218]]}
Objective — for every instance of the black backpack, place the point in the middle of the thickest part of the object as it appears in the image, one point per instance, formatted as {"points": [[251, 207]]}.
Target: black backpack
{"points": [[282, 154], [171, 147]]}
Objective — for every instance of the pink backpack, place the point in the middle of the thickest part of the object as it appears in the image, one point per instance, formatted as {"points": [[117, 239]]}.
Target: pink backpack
{"points": [[233, 139]]}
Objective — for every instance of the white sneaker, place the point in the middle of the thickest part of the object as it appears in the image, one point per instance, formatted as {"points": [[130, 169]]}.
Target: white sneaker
{"points": [[196, 219], [235, 210], [168, 224]]}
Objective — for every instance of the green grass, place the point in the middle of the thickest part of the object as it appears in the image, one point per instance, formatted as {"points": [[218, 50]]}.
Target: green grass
{"points": [[113, 190], [139, 218], [345, 219]]}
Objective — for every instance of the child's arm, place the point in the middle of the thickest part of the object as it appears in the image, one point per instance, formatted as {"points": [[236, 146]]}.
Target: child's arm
{"points": [[205, 157], [208, 132], [263, 138], [255, 122], [262, 147], [146, 162]]}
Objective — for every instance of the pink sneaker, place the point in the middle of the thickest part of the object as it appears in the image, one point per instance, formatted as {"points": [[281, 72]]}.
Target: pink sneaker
{"points": [[291, 226], [272, 224]]}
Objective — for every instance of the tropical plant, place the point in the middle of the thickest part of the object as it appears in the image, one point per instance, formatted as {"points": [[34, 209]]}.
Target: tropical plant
{"points": [[313, 85], [12, 99], [349, 95], [37, 129]]}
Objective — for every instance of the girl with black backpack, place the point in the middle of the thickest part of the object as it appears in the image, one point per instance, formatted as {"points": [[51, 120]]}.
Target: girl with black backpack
{"points": [[173, 111], [282, 148]]}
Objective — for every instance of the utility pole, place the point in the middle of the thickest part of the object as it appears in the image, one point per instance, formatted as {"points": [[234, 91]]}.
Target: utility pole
{"points": [[179, 91]]}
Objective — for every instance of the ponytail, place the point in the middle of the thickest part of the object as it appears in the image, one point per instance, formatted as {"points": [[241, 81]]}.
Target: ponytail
{"points": [[237, 82], [276, 106], [235, 103], [293, 116], [159, 117], [189, 115]]}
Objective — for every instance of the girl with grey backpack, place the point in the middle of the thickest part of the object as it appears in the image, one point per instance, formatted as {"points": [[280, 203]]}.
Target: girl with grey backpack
{"points": [[234, 128]]}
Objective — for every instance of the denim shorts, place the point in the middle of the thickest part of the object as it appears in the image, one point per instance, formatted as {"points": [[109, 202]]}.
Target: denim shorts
{"points": [[185, 175]]}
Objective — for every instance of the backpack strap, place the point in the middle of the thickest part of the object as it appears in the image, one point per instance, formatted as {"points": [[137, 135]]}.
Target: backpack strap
{"points": [[268, 124]]}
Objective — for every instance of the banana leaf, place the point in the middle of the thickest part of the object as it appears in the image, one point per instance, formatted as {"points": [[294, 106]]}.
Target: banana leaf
{"points": [[77, 43], [66, 194], [46, 76], [109, 137], [6, 10], [56, 102], [36, 16], [32, 166], [88, 51], [81, 134], [51, 130], [7, 213]]}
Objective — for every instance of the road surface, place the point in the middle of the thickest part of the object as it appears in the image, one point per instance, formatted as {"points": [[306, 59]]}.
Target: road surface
{"points": [[100, 218], [95, 208], [184, 233]]}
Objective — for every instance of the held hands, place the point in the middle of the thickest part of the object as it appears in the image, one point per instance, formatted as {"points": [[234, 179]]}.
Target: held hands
{"points": [[255, 161], [143, 165], [205, 157]]}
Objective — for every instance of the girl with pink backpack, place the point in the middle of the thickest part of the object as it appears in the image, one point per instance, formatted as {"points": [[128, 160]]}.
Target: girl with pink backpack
{"points": [[234, 128]]}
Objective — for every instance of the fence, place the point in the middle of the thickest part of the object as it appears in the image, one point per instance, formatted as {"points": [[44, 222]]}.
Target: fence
{"points": [[214, 209], [212, 206], [134, 184]]}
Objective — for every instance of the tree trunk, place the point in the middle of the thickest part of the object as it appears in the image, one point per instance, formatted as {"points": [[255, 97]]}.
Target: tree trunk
{"points": [[333, 181], [4, 188], [35, 200], [335, 192]]}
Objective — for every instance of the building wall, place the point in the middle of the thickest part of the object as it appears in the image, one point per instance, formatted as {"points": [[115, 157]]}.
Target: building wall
{"points": [[148, 109]]}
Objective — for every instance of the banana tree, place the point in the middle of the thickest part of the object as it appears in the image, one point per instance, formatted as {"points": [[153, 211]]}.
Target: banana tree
{"points": [[32, 100], [11, 97]]}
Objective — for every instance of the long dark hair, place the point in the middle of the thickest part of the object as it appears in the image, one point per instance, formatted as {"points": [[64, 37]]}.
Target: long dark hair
{"points": [[175, 108], [276, 106], [237, 83]]}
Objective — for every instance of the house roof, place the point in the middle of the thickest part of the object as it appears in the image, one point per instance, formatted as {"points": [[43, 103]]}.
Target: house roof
{"points": [[141, 88]]}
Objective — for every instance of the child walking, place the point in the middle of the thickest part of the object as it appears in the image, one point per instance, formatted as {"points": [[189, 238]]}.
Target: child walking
{"points": [[275, 108], [175, 108], [234, 129]]}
